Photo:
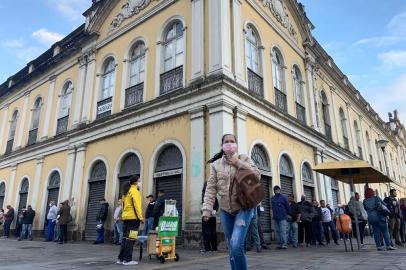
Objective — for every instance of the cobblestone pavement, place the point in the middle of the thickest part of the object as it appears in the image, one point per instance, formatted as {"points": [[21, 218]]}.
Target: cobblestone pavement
{"points": [[35, 255]]}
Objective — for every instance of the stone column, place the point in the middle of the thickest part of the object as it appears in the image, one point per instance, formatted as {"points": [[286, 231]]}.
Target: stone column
{"points": [[237, 40], [241, 131], [351, 130], [336, 119], [220, 122], [310, 94], [3, 133], [10, 187], [89, 87], [77, 196], [21, 129], [80, 88], [323, 182], [68, 179], [364, 143], [219, 38], [197, 163], [36, 194], [197, 39], [48, 108]]}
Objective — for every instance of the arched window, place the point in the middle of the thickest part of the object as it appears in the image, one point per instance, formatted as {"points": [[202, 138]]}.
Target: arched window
{"points": [[12, 132], [278, 78], [173, 57], [252, 59], [36, 113], [299, 95], [343, 122], [286, 174], [2, 194], [134, 93], [326, 116], [358, 139], [64, 108], [105, 104], [369, 145], [25, 185], [308, 182]]}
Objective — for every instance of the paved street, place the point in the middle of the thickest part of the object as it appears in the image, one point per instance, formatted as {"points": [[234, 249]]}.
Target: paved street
{"points": [[39, 255]]}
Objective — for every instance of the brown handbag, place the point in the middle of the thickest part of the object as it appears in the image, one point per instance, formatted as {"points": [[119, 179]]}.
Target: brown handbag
{"points": [[248, 189]]}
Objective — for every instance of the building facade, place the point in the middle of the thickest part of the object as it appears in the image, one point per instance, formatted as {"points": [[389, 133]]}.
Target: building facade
{"points": [[149, 87]]}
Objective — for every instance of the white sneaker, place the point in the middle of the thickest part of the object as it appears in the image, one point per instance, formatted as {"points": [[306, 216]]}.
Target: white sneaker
{"points": [[130, 263], [119, 262]]}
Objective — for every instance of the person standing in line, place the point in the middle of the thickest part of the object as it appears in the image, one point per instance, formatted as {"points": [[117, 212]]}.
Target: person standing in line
{"points": [[159, 207], [280, 210], [253, 234], [293, 221], [403, 220], [101, 219], [235, 220], [28, 219], [305, 226], [51, 220], [64, 219], [1, 216], [132, 217], [377, 219], [19, 223], [317, 229], [394, 216], [118, 223], [260, 212], [8, 219], [356, 207], [328, 224], [209, 230], [149, 215]]}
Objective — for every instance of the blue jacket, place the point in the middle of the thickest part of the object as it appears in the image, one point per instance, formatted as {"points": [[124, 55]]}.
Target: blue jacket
{"points": [[370, 206], [280, 207]]}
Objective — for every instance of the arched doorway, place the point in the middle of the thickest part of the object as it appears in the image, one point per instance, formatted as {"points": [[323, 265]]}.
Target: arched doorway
{"points": [[97, 186], [25, 185], [308, 182], [168, 177], [286, 175], [2, 194], [53, 189], [130, 166], [261, 160]]}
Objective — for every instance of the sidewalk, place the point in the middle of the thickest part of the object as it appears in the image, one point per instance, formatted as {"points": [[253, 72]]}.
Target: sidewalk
{"points": [[82, 255]]}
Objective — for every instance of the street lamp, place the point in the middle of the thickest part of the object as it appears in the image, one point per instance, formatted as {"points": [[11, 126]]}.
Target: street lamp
{"points": [[382, 144]]}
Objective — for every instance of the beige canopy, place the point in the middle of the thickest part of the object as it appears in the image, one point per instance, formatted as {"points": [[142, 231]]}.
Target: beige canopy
{"points": [[352, 172]]}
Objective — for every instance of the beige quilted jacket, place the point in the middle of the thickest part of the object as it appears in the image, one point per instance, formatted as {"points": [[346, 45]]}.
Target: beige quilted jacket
{"points": [[221, 175]]}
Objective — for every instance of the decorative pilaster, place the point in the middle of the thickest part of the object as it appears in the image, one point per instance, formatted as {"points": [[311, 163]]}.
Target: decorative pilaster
{"points": [[68, 179], [241, 129], [336, 118], [197, 39], [3, 134], [197, 156], [48, 109], [89, 86], [10, 188], [350, 130], [80, 86], [220, 122], [78, 178], [21, 130], [37, 182], [237, 40], [310, 93]]}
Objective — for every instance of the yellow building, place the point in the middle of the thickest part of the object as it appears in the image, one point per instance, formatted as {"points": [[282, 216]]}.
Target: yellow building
{"points": [[149, 87]]}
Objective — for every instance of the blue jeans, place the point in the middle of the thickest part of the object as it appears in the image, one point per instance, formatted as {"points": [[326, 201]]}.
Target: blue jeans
{"points": [[292, 233], [281, 229], [26, 229], [148, 226], [118, 231], [317, 232], [378, 228], [253, 235], [330, 225], [235, 231], [50, 229], [100, 235]]}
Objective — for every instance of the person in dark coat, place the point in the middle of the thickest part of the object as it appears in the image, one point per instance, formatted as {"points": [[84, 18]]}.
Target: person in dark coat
{"points": [[101, 219], [19, 222], [209, 227], [64, 217], [305, 226], [149, 215], [27, 221], [8, 219], [317, 229], [159, 207]]}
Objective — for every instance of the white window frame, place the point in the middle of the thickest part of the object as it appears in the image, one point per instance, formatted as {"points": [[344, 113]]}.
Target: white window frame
{"points": [[65, 100], [278, 72], [107, 74], [252, 47], [178, 38], [139, 60], [36, 113]]}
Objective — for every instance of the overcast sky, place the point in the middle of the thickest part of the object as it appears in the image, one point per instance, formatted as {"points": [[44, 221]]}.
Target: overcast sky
{"points": [[366, 38]]}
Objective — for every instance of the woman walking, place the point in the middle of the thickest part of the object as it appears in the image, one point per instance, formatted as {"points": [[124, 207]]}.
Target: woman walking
{"points": [[377, 219], [235, 220], [131, 217]]}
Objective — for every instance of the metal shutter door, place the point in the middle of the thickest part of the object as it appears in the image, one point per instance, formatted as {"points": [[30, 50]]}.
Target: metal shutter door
{"points": [[96, 192], [265, 218], [53, 194], [1, 202], [23, 201], [335, 198], [309, 193], [286, 185], [172, 185]]}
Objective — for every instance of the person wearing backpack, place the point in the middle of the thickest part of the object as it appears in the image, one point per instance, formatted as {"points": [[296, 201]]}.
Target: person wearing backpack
{"points": [[224, 167], [305, 225], [377, 215], [132, 217], [394, 216]]}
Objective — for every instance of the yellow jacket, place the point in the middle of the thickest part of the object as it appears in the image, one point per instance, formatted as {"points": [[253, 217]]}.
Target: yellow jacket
{"points": [[131, 202]]}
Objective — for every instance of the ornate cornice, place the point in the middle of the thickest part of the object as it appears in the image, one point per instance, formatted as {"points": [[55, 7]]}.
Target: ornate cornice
{"points": [[278, 10], [132, 7]]}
